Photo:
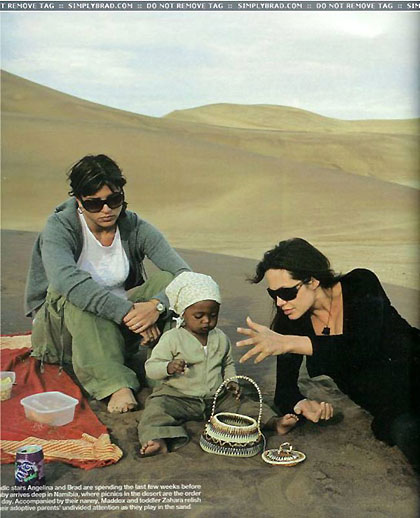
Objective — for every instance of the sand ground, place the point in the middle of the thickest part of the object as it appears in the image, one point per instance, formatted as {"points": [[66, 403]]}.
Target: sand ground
{"points": [[347, 473]]}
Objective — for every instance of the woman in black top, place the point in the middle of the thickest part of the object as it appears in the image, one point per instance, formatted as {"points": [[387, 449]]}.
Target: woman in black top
{"points": [[348, 330]]}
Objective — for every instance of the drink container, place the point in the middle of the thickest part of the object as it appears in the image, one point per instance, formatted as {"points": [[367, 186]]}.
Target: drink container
{"points": [[29, 466]]}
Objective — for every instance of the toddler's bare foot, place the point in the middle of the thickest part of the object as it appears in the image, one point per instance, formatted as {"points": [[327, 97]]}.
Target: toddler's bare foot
{"points": [[122, 401], [284, 424], [153, 448]]}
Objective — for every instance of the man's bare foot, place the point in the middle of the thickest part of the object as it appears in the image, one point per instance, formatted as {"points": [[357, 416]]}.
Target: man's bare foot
{"points": [[153, 448], [283, 424], [122, 401]]}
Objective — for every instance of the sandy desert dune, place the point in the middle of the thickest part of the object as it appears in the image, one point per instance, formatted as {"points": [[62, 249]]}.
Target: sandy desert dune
{"points": [[226, 178]]}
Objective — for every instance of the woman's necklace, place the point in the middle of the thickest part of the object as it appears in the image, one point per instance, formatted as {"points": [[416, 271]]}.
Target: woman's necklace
{"points": [[327, 330]]}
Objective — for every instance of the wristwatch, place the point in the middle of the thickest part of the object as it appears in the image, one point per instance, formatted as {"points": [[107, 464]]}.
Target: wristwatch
{"points": [[160, 308]]}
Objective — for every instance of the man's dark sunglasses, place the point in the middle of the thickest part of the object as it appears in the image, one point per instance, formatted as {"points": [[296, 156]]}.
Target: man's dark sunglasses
{"points": [[113, 201], [286, 293]]}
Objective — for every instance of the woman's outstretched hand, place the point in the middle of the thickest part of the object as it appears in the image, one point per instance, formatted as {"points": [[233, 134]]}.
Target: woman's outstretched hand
{"points": [[266, 342], [263, 340], [314, 411]]}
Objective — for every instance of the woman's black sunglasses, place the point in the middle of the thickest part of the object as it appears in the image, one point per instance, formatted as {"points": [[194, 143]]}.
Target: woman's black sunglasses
{"points": [[113, 201], [286, 293]]}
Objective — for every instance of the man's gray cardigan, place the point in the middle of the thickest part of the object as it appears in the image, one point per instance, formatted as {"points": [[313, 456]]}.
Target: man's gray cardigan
{"points": [[59, 246]]}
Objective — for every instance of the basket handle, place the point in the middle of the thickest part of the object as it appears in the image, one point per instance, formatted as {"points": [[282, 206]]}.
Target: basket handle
{"points": [[246, 378]]}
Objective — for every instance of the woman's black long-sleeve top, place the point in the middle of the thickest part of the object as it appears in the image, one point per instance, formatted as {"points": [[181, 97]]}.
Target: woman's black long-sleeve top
{"points": [[376, 361]]}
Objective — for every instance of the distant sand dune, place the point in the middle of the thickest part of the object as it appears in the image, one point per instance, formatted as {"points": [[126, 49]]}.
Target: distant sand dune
{"points": [[233, 188], [285, 118], [387, 150]]}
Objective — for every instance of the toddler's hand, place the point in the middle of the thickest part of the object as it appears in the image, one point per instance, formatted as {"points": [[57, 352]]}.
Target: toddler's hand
{"points": [[177, 366], [234, 387]]}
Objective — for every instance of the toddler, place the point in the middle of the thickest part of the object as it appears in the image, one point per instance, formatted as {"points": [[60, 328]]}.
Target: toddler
{"points": [[191, 361]]}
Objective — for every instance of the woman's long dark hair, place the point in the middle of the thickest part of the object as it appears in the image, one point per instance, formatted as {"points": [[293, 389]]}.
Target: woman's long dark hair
{"points": [[91, 173], [301, 259]]}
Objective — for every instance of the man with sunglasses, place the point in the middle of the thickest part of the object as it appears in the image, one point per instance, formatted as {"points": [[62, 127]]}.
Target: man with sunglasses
{"points": [[87, 286]]}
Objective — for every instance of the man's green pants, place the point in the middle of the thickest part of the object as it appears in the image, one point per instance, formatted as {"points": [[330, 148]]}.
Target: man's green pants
{"points": [[96, 347]]}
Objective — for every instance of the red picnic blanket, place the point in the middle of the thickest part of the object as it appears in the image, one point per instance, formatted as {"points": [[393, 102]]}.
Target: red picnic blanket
{"points": [[76, 440]]}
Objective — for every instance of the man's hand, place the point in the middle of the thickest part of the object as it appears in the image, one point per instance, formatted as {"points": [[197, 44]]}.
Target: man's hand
{"points": [[141, 316]]}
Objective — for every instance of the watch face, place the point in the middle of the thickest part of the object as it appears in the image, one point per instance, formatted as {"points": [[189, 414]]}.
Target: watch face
{"points": [[160, 307]]}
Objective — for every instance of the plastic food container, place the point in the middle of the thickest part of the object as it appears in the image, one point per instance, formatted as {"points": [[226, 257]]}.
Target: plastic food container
{"points": [[8, 374], [52, 408], [6, 381]]}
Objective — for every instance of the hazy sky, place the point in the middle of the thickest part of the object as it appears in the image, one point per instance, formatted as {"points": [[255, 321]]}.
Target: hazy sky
{"points": [[339, 64]]}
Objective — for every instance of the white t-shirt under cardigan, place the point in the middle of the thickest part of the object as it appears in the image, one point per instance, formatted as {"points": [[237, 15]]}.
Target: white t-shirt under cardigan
{"points": [[108, 265]]}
